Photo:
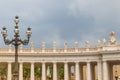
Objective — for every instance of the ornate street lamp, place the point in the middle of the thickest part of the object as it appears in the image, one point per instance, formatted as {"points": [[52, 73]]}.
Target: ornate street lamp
{"points": [[16, 41]]}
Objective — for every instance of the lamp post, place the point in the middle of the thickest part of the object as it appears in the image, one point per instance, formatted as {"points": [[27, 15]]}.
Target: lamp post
{"points": [[16, 41]]}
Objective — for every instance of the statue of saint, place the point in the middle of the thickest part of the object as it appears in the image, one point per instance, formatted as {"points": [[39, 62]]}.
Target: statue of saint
{"points": [[87, 44], [112, 38], [104, 41], [65, 44]]}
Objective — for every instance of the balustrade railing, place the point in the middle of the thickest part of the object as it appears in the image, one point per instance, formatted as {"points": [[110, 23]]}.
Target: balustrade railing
{"points": [[47, 50], [59, 50]]}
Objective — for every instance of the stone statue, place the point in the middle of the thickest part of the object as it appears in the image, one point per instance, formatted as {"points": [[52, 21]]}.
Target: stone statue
{"points": [[32, 45], [112, 38], [76, 44], [104, 41], [43, 44], [65, 44], [21, 46], [87, 44], [99, 43], [9, 46], [54, 44]]}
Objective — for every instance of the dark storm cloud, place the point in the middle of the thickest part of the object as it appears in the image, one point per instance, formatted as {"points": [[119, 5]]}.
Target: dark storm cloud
{"points": [[62, 20]]}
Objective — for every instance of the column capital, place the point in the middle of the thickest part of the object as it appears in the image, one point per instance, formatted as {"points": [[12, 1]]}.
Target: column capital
{"points": [[9, 62], [21, 62], [76, 62], [99, 61], [104, 61], [88, 62], [54, 62], [66, 62], [43, 62], [32, 62]]}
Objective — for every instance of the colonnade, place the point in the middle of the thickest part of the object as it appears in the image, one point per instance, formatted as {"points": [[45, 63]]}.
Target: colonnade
{"points": [[90, 74], [100, 70]]}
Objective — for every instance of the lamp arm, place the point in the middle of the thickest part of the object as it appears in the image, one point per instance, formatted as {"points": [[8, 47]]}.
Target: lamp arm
{"points": [[7, 41], [24, 42]]}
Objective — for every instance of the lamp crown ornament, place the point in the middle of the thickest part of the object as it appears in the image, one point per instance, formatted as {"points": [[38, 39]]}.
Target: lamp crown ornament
{"points": [[16, 20]]}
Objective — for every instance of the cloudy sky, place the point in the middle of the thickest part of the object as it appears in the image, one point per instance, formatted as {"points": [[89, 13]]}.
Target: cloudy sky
{"points": [[62, 20]]}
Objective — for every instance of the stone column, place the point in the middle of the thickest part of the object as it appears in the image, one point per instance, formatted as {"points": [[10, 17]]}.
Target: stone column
{"points": [[99, 70], [89, 76], [54, 71], [77, 71], [43, 71], [32, 71], [20, 71], [105, 69], [66, 74], [9, 75]]}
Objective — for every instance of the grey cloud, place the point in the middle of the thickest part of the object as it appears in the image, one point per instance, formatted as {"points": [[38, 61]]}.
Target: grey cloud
{"points": [[61, 20]]}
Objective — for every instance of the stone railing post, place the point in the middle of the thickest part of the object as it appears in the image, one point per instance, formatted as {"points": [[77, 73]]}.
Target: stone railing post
{"points": [[54, 46], [43, 47], [65, 46], [32, 47], [76, 46]]}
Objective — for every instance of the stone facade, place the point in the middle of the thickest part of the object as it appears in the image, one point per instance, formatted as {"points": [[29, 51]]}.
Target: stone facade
{"points": [[90, 63]]}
